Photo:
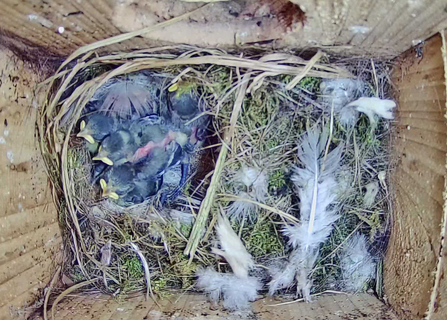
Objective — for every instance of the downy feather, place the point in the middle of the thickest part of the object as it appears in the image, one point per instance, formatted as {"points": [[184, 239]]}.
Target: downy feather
{"points": [[240, 209], [232, 248], [235, 292], [316, 185], [357, 264], [282, 273], [255, 179], [370, 106]]}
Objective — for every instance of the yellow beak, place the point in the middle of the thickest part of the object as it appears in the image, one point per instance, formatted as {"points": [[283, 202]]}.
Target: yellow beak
{"points": [[103, 159], [86, 136], [173, 87], [107, 193]]}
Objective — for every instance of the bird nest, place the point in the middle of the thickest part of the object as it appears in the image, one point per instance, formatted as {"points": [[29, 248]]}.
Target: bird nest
{"points": [[261, 105]]}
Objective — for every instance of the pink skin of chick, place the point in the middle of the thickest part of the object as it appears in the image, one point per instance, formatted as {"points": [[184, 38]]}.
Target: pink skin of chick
{"points": [[151, 145]]}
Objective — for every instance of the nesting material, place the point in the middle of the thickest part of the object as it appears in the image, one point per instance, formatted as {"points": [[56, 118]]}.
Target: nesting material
{"points": [[287, 207], [316, 186], [232, 248], [372, 107], [235, 292], [357, 264]]}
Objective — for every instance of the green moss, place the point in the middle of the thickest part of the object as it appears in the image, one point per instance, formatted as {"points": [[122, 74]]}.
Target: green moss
{"points": [[310, 84], [185, 229], [272, 143], [159, 286], [263, 240], [77, 275], [133, 268], [277, 179], [184, 270]]}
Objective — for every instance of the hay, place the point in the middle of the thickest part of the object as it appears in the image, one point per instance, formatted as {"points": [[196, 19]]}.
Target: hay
{"points": [[261, 105]]}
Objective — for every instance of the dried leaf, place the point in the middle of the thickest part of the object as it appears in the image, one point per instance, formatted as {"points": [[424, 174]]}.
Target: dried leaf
{"points": [[106, 253], [67, 281]]}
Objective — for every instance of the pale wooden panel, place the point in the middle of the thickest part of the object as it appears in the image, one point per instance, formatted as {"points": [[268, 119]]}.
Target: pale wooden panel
{"points": [[440, 311], [389, 27], [193, 306], [25, 183], [30, 237], [418, 180]]}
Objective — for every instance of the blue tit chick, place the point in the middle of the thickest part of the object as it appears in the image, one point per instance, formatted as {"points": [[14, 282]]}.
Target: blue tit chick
{"points": [[98, 168], [143, 190], [159, 161], [152, 132], [96, 127], [118, 181], [116, 148], [183, 110], [149, 128]]}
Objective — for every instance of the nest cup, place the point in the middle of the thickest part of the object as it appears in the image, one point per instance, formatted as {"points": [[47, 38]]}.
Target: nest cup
{"points": [[124, 250]]}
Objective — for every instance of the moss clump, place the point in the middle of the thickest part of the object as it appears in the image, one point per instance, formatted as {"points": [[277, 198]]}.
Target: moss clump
{"points": [[263, 240], [133, 268], [277, 180], [310, 84], [185, 229]]}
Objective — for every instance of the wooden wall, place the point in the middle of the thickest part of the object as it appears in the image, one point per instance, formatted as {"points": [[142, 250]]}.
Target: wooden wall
{"points": [[418, 181], [361, 26], [29, 231]]}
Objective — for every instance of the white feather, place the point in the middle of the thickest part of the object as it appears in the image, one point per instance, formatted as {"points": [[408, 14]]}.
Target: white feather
{"points": [[255, 179], [240, 209], [357, 264], [372, 189], [282, 275], [235, 292], [182, 217], [338, 92], [106, 253], [372, 107], [232, 249], [317, 191]]}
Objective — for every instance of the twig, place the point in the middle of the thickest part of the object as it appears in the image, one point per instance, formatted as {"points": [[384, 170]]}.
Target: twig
{"points": [[302, 299], [48, 293], [68, 291], [281, 213], [207, 202], [306, 70], [146, 272], [375, 78]]}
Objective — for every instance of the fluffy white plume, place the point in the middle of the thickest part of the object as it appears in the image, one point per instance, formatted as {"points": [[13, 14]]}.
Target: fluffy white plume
{"points": [[239, 209], [372, 189], [181, 217], [369, 106], [255, 179], [232, 248], [357, 265], [339, 92], [282, 275], [317, 190], [235, 292]]}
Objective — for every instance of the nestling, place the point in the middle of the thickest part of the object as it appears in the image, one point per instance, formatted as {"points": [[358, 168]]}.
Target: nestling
{"points": [[96, 127], [118, 181], [143, 190], [184, 113], [117, 148]]}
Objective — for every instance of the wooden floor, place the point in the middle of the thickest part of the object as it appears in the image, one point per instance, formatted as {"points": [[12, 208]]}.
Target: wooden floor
{"points": [[327, 307]]}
